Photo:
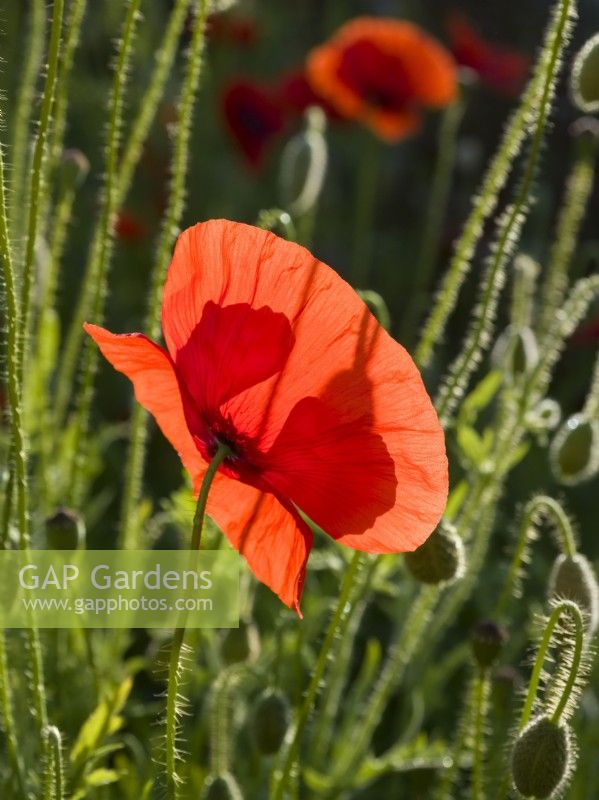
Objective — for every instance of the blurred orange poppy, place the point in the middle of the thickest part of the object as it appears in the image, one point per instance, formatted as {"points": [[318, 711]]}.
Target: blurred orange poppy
{"points": [[383, 72], [272, 353]]}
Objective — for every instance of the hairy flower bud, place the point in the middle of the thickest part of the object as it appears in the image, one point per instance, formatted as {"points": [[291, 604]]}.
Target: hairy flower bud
{"points": [[516, 351], [270, 720], [440, 559], [488, 639], [541, 760], [574, 452], [65, 530], [304, 165], [545, 416], [221, 787], [240, 644], [584, 81], [573, 578]]}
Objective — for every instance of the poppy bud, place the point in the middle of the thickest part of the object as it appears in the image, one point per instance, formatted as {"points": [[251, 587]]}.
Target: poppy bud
{"points": [[573, 578], [74, 167], [240, 644], [65, 530], [545, 416], [488, 639], [440, 559], [584, 81], [304, 164], [221, 787], [574, 452], [270, 721], [541, 760], [516, 351]]}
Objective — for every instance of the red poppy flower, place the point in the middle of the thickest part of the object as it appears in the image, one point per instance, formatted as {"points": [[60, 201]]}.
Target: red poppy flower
{"points": [[241, 31], [271, 352], [253, 117], [499, 67], [128, 227], [383, 72], [296, 94]]}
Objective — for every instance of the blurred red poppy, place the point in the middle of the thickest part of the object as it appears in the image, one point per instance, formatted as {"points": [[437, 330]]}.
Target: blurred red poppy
{"points": [[500, 68], [230, 29], [272, 353], [383, 72], [253, 117], [129, 227], [296, 94], [587, 334]]}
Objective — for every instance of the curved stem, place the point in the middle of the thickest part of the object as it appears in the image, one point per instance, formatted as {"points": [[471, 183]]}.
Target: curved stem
{"points": [[175, 667]]}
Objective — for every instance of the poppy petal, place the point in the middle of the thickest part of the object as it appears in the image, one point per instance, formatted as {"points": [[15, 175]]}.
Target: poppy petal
{"points": [[151, 371], [275, 543]]}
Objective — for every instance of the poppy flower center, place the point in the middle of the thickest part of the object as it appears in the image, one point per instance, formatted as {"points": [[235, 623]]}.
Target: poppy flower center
{"points": [[380, 78]]}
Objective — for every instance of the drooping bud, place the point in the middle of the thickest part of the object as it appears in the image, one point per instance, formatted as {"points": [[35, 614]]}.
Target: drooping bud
{"points": [[440, 559], [516, 351], [488, 639], [541, 760], [545, 416], [240, 644], [574, 452], [584, 82], [221, 787], [65, 530], [304, 165], [74, 167], [573, 578], [270, 720]]}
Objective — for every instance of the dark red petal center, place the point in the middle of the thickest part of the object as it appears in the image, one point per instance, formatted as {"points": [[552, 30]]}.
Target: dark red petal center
{"points": [[379, 77]]}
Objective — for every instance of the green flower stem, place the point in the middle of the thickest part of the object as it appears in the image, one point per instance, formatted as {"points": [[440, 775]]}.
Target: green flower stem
{"points": [[6, 704], [495, 179], [578, 191], [170, 225], [283, 772], [54, 772], [37, 175], [591, 405], [481, 709], [365, 208], [175, 666], [510, 228], [104, 250], [436, 212], [565, 607], [165, 56], [523, 292], [540, 505], [22, 119]]}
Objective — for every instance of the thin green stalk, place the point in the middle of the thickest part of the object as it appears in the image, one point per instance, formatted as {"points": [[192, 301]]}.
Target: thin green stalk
{"points": [[104, 252], [523, 291], [8, 720], [25, 102], [578, 191], [165, 56], [365, 207], [510, 230], [283, 771], [54, 772], [172, 777], [486, 201], [170, 225], [481, 710], [37, 175], [591, 405], [435, 217]]}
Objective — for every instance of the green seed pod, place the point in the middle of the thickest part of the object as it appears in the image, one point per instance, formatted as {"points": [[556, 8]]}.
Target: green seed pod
{"points": [[240, 644], [584, 81], [488, 640], [221, 787], [516, 351], [574, 451], [573, 578], [541, 760], [65, 530], [440, 559], [270, 720]]}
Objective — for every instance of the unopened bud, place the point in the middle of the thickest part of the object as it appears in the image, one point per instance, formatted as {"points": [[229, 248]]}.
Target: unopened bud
{"points": [[240, 644], [270, 721], [516, 351], [440, 559], [541, 760], [573, 578], [574, 452], [304, 165], [65, 530], [221, 787], [74, 167], [585, 77], [545, 416], [488, 640]]}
